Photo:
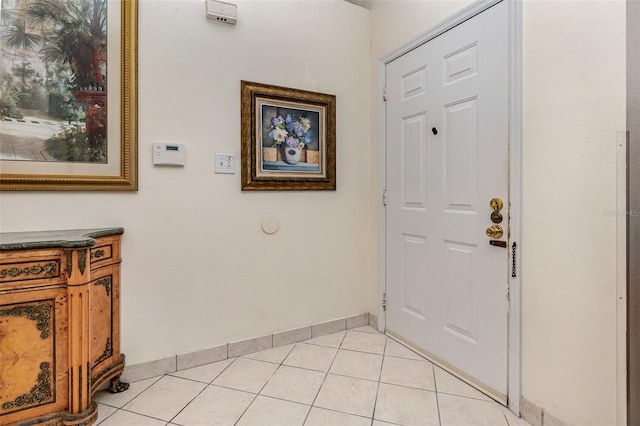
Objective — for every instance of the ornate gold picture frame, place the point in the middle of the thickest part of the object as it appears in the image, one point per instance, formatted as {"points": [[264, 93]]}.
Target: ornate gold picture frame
{"points": [[111, 164], [288, 139]]}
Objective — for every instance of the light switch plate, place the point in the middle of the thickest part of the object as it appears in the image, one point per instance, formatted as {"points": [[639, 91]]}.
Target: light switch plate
{"points": [[225, 163]]}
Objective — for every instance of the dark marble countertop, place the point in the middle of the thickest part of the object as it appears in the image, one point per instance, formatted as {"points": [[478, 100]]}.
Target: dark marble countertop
{"points": [[72, 238]]}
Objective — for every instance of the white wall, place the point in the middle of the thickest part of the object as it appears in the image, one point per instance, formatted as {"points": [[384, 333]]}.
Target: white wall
{"points": [[574, 76], [574, 102], [198, 271]]}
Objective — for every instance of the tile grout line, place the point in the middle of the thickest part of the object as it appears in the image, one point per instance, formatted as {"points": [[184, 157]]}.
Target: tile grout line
{"points": [[427, 390], [505, 418], [375, 401], [435, 385], [327, 372], [199, 381], [325, 376], [264, 385], [266, 382], [144, 415], [281, 363], [470, 397], [132, 399], [121, 408], [105, 419], [206, 385], [338, 349], [251, 403]]}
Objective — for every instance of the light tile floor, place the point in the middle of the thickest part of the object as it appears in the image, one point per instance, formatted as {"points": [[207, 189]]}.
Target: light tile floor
{"points": [[355, 377]]}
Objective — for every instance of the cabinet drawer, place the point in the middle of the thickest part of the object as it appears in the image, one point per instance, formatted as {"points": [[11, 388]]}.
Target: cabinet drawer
{"points": [[106, 251], [101, 253], [29, 270]]}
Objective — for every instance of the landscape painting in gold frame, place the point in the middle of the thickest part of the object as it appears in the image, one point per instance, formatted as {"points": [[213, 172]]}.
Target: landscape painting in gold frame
{"points": [[288, 138], [74, 127]]}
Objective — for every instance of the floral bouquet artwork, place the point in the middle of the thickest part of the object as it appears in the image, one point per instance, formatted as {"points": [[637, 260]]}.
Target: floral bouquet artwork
{"points": [[292, 133], [291, 138], [288, 138]]}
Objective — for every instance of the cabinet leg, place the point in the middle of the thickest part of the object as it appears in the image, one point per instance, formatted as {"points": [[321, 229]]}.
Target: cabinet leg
{"points": [[118, 386]]}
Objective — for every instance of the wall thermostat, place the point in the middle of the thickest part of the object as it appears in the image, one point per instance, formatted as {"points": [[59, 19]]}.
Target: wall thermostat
{"points": [[168, 154], [221, 11]]}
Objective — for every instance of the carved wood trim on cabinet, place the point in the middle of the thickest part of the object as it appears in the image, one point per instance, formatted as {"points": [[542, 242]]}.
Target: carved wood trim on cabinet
{"points": [[59, 324]]}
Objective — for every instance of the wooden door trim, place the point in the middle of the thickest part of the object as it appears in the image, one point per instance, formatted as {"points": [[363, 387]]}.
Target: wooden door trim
{"points": [[630, 414]]}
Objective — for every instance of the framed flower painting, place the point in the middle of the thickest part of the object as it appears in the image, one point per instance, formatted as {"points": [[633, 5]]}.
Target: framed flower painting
{"points": [[288, 138]]}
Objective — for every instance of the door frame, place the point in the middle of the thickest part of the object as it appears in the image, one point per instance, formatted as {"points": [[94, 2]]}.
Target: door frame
{"points": [[515, 174], [629, 272]]}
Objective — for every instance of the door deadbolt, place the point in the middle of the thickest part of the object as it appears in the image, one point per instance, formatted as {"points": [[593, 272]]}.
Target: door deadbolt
{"points": [[495, 231], [496, 204], [496, 217]]}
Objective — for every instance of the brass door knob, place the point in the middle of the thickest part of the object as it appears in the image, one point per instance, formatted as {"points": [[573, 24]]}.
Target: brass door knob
{"points": [[495, 231]]}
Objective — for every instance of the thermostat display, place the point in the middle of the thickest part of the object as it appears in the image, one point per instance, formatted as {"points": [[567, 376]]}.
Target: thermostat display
{"points": [[166, 154]]}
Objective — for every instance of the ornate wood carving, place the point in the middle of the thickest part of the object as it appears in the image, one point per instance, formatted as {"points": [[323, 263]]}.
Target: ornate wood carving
{"points": [[106, 282], [40, 313], [82, 260], [39, 393], [48, 269], [69, 257], [117, 386], [108, 351], [97, 254]]}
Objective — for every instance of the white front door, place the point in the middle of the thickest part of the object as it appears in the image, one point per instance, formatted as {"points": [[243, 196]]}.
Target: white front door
{"points": [[447, 123]]}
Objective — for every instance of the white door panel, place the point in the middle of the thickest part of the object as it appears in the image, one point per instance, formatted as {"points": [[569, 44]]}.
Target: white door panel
{"points": [[447, 157]]}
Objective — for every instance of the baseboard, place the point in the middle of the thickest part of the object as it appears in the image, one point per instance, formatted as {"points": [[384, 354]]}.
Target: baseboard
{"points": [[145, 370], [373, 321], [538, 416]]}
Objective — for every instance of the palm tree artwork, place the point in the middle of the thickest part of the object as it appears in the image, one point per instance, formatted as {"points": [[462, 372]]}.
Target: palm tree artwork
{"points": [[66, 42]]}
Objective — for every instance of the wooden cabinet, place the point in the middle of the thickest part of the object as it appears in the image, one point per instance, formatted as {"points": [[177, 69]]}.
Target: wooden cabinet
{"points": [[59, 324]]}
